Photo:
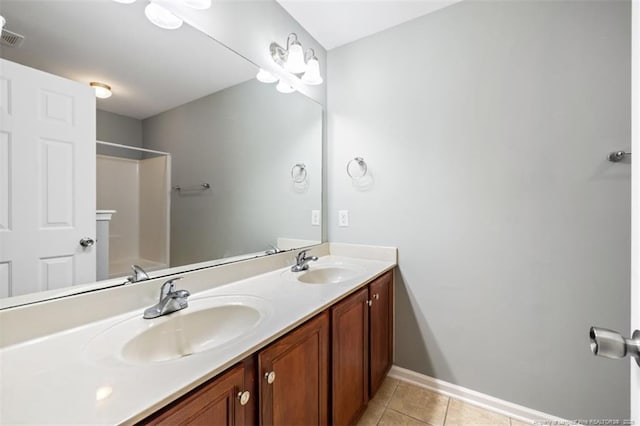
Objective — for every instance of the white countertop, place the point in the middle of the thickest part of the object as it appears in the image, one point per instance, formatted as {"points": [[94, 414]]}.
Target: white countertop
{"points": [[54, 379]]}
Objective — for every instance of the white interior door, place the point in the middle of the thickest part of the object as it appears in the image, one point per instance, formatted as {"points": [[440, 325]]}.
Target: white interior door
{"points": [[47, 181], [635, 185]]}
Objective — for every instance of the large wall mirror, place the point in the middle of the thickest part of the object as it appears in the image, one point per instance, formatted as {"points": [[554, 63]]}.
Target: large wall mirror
{"points": [[190, 160]]}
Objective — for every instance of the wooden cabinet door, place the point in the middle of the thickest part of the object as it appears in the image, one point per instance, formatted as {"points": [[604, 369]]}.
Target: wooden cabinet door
{"points": [[214, 403], [297, 392], [350, 358], [380, 329]]}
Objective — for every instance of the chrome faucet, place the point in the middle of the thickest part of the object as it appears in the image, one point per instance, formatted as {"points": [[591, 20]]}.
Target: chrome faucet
{"points": [[138, 274], [171, 300], [302, 261], [273, 250]]}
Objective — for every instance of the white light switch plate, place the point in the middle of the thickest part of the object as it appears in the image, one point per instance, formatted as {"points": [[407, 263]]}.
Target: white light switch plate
{"points": [[343, 217], [315, 217]]}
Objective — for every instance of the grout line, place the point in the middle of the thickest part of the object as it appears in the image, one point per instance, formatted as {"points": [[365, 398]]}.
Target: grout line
{"points": [[413, 418], [446, 413], [386, 404]]}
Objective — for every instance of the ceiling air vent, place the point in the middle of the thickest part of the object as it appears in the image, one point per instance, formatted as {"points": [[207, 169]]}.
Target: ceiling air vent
{"points": [[9, 38]]}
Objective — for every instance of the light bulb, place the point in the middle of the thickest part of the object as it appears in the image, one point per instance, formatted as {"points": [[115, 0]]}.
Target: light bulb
{"points": [[266, 77], [162, 17], [295, 59], [2, 22], [103, 91], [284, 87], [198, 4], [312, 74]]}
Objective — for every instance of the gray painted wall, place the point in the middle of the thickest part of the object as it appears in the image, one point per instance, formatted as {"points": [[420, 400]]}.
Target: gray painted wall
{"points": [[485, 126], [243, 141], [119, 129]]}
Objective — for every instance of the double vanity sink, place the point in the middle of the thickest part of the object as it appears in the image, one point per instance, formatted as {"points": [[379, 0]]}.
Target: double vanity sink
{"points": [[207, 324], [122, 368]]}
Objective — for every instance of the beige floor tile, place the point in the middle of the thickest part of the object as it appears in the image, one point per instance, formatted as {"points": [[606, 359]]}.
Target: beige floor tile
{"points": [[460, 413], [393, 418], [419, 403], [372, 414], [515, 422], [386, 390]]}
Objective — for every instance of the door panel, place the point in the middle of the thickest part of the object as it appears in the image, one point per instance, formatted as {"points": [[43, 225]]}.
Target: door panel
{"points": [[381, 330], [350, 358], [215, 403], [298, 391], [47, 204]]}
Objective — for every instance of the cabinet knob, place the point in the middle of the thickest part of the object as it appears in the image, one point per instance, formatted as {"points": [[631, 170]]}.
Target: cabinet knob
{"points": [[270, 376], [244, 397], [376, 296], [369, 303]]}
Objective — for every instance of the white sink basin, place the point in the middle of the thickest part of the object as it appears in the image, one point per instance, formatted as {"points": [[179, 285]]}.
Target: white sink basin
{"points": [[326, 274], [207, 324]]}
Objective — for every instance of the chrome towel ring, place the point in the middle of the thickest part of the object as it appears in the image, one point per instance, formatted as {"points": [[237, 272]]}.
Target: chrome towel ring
{"points": [[299, 173], [363, 168]]}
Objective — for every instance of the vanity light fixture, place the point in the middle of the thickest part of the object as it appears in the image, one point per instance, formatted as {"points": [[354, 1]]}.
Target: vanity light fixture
{"points": [[302, 64], [294, 62], [265, 76], [103, 91], [162, 17], [312, 73]]}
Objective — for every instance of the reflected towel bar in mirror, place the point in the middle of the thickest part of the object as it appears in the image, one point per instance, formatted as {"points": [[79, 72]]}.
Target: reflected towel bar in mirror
{"points": [[201, 187]]}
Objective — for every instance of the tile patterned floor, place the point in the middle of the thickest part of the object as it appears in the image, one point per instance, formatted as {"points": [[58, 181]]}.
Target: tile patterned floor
{"points": [[399, 403]]}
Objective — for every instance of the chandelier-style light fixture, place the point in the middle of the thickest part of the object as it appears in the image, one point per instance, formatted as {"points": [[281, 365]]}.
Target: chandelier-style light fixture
{"points": [[294, 60]]}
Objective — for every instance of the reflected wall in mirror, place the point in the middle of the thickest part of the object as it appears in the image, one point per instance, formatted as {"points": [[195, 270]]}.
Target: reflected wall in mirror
{"points": [[197, 160]]}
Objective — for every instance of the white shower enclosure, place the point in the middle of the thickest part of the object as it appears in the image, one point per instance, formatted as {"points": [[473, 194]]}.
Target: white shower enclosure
{"points": [[139, 192]]}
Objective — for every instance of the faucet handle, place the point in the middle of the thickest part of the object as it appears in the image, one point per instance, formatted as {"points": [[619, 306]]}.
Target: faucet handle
{"points": [[302, 255], [168, 287]]}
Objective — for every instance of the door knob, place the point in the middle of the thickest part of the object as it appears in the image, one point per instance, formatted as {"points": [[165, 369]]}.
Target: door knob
{"points": [[611, 344], [244, 397], [87, 242]]}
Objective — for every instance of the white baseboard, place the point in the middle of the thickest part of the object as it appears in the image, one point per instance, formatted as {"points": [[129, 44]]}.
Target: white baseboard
{"points": [[478, 399]]}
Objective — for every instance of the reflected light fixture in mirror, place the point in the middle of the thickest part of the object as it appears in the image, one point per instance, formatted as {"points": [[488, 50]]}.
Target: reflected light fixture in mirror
{"points": [[165, 19], [264, 76], [161, 17], [284, 87], [103, 91]]}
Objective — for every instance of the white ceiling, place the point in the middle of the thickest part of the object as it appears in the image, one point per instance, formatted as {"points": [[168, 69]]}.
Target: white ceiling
{"points": [[150, 70], [336, 22]]}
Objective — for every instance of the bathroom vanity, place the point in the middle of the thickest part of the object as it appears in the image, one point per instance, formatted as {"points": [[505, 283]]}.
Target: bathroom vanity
{"points": [[258, 344], [288, 382]]}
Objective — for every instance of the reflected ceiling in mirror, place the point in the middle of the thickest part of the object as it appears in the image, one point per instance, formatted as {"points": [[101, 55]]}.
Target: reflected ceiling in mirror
{"points": [[201, 162]]}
